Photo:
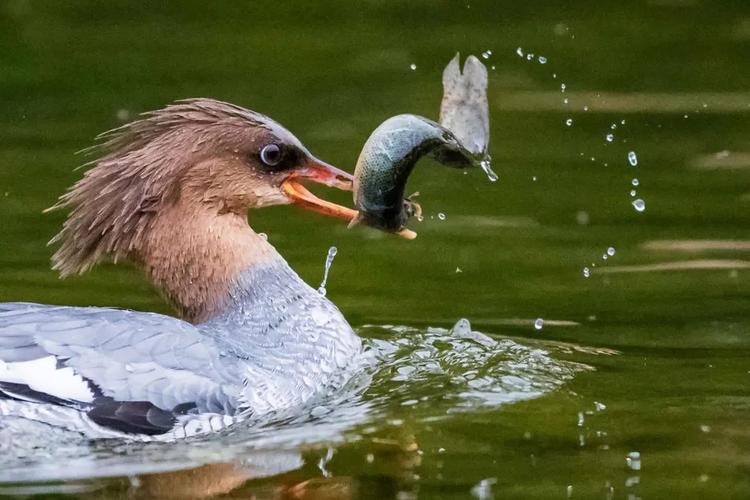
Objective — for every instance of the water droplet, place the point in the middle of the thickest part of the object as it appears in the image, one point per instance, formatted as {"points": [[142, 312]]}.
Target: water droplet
{"points": [[519, 51], [585, 108], [605, 256], [539, 324], [633, 460], [581, 419], [639, 205], [582, 217], [554, 75], [586, 272], [420, 217], [632, 192], [599, 406], [487, 167], [263, 235], [413, 66], [613, 126], [569, 122], [529, 57], [610, 137], [533, 178], [329, 260], [562, 87], [632, 158], [635, 182], [493, 67], [622, 122], [611, 251], [441, 216], [542, 60], [565, 101], [458, 270]]}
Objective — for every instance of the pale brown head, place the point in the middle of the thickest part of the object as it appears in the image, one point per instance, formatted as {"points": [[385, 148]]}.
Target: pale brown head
{"points": [[171, 192]]}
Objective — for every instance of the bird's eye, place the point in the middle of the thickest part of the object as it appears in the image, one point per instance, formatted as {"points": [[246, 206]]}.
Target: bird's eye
{"points": [[270, 155]]}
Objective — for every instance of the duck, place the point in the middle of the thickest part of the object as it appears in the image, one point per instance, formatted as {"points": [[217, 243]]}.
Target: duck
{"points": [[170, 193]]}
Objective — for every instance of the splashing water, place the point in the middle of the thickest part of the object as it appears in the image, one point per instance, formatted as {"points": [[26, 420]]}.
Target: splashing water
{"points": [[633, 460], [487, 167], [639, 205], [632, 158], [329, 260], [480, 370]]}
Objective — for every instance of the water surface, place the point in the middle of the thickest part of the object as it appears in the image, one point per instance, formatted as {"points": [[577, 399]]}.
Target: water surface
{"points": [[650, 353]]}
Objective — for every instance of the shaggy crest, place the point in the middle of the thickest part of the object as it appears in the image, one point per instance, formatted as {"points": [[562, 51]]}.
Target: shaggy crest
{"points": [[136, 173]]}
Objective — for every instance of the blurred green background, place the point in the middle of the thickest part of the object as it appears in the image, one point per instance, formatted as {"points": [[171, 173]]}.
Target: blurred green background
{"points": [[675, 72]]}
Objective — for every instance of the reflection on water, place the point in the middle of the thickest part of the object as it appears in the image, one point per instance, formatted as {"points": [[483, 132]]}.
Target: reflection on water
{"points": [[431, 372]]}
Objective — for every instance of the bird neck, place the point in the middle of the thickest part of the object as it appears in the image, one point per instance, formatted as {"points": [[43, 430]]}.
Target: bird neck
{"points": [[194, 256]]}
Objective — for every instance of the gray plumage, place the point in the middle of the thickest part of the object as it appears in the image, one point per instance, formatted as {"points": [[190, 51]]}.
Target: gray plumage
{"points": [[278, 345]]}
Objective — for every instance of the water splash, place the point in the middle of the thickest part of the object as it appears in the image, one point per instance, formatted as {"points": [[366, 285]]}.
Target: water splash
{"points": [[487, 167], [633, 460], [632, 158], [639, 205], [329, 260], [467, 368]]}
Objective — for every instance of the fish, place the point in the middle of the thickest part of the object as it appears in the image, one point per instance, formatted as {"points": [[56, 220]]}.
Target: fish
{"points": [[464, 109], [388, 157]]}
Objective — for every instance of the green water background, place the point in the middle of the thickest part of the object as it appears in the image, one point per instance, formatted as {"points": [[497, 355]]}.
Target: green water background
{"points": [[676, 71]]}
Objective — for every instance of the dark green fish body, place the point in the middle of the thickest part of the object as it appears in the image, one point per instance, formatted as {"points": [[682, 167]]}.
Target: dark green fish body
{"points": [[388, 158]]}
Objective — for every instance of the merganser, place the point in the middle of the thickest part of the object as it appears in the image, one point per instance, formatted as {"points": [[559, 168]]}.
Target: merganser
{"points": [[170, 193]]}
